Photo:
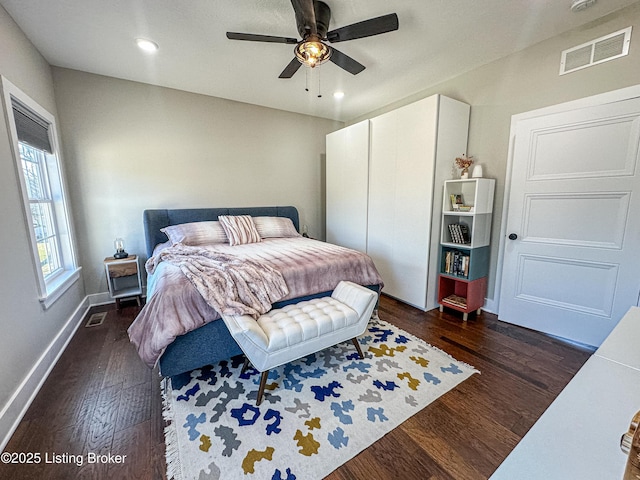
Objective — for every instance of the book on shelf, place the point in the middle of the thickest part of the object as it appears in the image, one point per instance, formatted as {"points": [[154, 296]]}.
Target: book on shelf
{"points": [[452, 233], [456, 300], [456, 263], [464, 233], [459, 233], [456, 201]]}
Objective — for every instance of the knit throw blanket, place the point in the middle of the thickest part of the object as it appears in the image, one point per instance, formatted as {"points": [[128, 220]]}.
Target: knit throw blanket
{"points": [[230, 285]]}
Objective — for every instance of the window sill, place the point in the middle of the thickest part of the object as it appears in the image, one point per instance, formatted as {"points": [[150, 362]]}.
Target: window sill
{"points": [[57, 287]]}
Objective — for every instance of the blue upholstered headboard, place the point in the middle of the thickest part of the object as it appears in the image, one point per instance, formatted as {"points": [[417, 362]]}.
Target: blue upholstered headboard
{"points": [[154, 220]]}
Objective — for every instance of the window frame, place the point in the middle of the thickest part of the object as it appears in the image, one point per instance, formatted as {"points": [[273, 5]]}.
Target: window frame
{"points": [[51, 287]]}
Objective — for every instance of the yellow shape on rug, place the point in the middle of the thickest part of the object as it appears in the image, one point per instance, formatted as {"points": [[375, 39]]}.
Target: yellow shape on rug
{"points": [[313, 423], [423, 362], [205, 444], [385, 351], [413, 382], [308, 445], [253, 456]]}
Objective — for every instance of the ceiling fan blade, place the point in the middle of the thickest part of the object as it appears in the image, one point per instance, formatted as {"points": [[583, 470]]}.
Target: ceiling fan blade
{"points": [[291, 69], [366, 28], [260, 38], [346, 62], [305, 17]]}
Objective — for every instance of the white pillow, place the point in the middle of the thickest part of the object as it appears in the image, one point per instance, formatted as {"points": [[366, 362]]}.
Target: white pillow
{"points": [[196, 233], [275, 227], [240, 229]]}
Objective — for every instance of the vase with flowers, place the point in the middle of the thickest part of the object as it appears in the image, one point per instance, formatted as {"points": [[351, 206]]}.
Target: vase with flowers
{"points": [[463, 162]]}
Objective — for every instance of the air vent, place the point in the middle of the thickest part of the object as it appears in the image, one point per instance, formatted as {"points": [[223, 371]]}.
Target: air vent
{"points": [[96, 319], [600, 50]]}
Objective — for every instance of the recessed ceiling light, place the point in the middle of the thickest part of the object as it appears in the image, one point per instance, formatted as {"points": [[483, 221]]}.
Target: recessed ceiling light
{"points": [[147, 45], [338, 95], [579, 5]]}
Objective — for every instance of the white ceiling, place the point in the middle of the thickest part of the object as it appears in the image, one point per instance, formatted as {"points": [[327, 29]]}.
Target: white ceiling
{"points": [[437, 40]]}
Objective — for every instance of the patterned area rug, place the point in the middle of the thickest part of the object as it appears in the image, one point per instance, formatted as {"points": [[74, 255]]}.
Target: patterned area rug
{"points": [[317, 413]]}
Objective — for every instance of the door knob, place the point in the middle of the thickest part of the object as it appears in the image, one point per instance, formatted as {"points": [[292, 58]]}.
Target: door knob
{"points": [[512, 236]]}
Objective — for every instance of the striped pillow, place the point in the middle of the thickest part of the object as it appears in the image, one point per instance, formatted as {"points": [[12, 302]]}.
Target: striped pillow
{"points": [[196, 233], [240, 229], [275, 227]]}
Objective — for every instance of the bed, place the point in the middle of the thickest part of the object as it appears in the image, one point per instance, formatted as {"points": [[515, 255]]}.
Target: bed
{"points": [[196, 338]]}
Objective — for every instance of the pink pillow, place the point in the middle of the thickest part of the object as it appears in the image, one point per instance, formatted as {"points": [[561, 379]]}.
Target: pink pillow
{"points": [[275, 227], [240, 229], [196, 233]]}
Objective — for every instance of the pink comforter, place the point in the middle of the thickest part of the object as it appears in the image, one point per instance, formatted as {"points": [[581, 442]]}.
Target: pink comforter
{"points": [[308, 266]]}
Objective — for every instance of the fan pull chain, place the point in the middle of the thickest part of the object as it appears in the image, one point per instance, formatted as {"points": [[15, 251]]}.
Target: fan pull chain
{"points": [[308, 79]]}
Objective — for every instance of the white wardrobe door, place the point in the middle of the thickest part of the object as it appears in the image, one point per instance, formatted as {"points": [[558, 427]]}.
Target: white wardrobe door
{"points": [[347, 167], [401, 172]]}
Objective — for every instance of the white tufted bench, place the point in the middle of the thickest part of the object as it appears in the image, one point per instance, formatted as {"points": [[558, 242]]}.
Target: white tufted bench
{"points": [[294, 331]]}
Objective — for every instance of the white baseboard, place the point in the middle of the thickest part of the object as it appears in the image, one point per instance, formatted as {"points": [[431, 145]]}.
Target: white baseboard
{"points": [[490, 306], [12, 413], [103, 298]]}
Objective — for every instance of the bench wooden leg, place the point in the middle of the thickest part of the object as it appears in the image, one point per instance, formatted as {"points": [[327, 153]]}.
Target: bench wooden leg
{"points": [[263, 384], [245, 365], [355, 342]]}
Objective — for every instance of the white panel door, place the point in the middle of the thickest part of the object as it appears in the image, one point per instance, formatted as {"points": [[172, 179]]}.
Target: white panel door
{"points": [[347, 177], [574, 268], [400, 198]]}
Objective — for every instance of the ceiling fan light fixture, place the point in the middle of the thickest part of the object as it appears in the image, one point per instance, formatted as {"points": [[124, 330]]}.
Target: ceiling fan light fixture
{"points": [[312, 52]]}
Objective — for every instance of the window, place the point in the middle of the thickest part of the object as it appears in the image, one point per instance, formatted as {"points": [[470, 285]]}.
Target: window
{"points": [[46, 213]]}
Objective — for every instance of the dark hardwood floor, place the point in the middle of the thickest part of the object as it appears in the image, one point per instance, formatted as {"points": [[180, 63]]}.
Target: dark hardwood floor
{"points": [[100, 398]]}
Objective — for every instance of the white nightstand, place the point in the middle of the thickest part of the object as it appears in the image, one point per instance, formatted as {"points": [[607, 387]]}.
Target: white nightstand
{"points": [[123, 278]]}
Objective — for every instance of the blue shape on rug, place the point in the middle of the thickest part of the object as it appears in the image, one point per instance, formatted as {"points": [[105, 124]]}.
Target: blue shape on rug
{"points": [[388, 385], [431, 378], [239, 414], [338, 439], [402, 339], [321, 392], [340, 409], [380, 334], [189, 393], [309, 359], [360, 366], [372, 413], [224, 369], [192, 422], [208, 374], [278, 475], [277, 418], [452, 368]]}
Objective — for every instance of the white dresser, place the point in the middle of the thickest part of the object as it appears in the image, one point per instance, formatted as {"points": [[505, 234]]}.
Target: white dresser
{"points": [[578, 436]]}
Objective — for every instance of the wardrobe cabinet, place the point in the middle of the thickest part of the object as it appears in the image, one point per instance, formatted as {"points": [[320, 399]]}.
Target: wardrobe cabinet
{"points": [[347, 186], [409, 151]]}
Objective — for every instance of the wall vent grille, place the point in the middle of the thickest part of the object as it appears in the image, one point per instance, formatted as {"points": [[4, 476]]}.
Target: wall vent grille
{"points": [[597, 51]]}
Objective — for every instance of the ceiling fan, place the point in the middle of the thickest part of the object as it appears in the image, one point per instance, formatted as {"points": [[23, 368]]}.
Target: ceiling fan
{"points": [[312, 19]]}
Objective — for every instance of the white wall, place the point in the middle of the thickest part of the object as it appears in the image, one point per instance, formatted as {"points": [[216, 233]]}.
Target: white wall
{"points": [[525, 81], [132, 146], [27, 329]]}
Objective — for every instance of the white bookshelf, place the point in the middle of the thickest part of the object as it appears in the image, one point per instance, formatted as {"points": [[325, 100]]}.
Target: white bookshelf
{"points": [[477, 198]]}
